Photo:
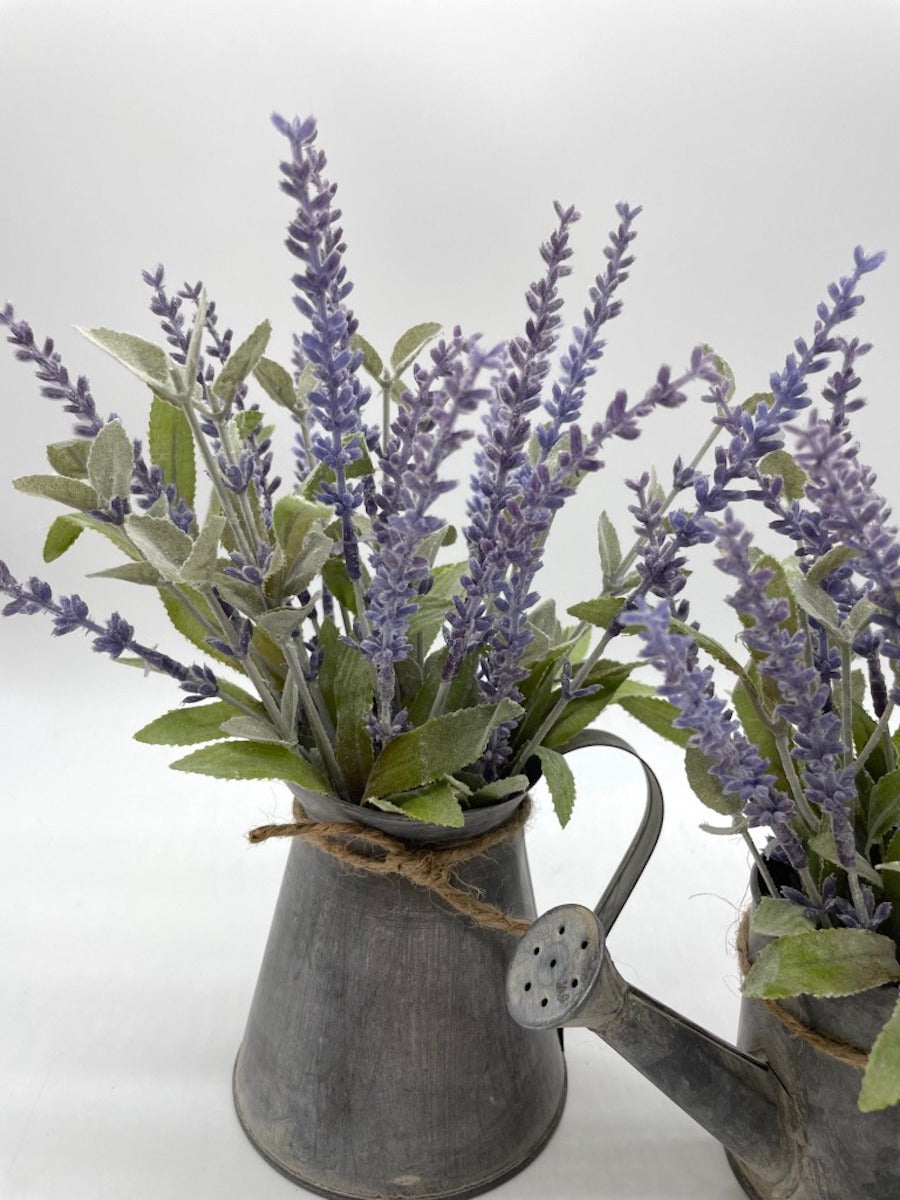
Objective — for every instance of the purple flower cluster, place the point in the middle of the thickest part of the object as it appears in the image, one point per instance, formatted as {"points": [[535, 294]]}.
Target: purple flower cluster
{"points": [[53, 375], [736, 762], [114, 638], [753, 435], [322, 289], [425, 434], [805, 700], [851, 513]]}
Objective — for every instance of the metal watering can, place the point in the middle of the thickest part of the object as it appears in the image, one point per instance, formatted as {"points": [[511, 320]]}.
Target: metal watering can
{"points": [[379, 1061], [783, 1102]]}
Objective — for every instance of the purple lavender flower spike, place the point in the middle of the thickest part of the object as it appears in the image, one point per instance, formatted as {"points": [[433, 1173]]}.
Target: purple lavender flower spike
{"points": [[737, 763], [114, 638], [400, 572], [51, 372], [805, 699], [587, 346], [322, 289]]}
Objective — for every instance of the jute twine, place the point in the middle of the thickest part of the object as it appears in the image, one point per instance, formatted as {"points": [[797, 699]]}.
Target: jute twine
{"points": [[366, 849], [841, 1051]]}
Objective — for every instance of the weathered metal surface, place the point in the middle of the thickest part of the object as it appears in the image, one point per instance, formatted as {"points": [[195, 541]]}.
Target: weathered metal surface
{"points": [[379, 1059], [785, 1110]]}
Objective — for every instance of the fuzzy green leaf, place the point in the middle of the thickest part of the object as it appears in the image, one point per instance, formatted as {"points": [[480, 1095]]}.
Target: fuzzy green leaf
{"points": [[432, 608], [70, 458], [161, 543], [582, 710], [188, 625], [145, 360], [199, 566], [881, 1081], [292, 519], [111, 462], [412, 343], [276, 383], [706, 787], [778, 918], [779, 462], [308, 562], [436, 804], [759, 734], [254, 760], [441, 746], [241, 363], [560, 782], [353, 691], [823, 962], [824, 845], [811, 598], [751, 404], [639, 702], [499, 789], [371, 358], [72, 492], [254, 729], [884, 807], [187, 726], [171, 446], [834, 558], [610, 550], [62, 534], [599, 612], [130, 572]]}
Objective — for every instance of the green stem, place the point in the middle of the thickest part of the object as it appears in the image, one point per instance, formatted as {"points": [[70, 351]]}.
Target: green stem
{"points": [[760, 863], [249, 666], [846, 704], [809, 885], [322, 740], [874, 738], [859, 905], [804, 810]]}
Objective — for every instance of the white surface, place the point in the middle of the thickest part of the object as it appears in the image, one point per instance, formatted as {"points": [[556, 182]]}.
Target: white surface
{"points": [[759, 137]]}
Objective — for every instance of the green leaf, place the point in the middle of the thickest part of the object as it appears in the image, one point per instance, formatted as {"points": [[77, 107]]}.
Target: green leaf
{"points": [[187, 726], [63, 533], [432, 608], [171, 446], [706, 787], [336, 579], [411, 344], [371, 358], [824, 845], [759, 734], [881, 1081], [162, 544], [292, 519], [599, 612], [70, 458], [436, 804], [710, 645], [560, 781], [581, 711], [779, 462], [130, 572], [441, 746], [811, 598], [884, 808], [188, 625], [722, 367], [353, 692], [658, 715], [241, 363], [751, 404], [315, 552], [254, 760], [254, 729], [499, 789], [111, 462], [610, 551], [834, 558], [199, 566], [863, 727], [148, 362], [890, 884], [778, 918], [823, 962], [276, 382], [71, 492], [462, 693]]}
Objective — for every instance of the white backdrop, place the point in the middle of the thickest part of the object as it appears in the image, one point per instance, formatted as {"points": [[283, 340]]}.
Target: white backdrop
{"points": [[761, 139]]}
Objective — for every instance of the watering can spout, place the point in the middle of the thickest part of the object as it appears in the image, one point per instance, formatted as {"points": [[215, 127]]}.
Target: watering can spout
{"points": [[562, 975]]}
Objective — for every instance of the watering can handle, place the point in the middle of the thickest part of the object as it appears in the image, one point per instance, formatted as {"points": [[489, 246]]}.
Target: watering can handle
{"points": [[644, 841]]}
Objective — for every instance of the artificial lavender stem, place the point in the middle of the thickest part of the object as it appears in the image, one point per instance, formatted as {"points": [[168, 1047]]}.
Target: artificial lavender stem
{"points": [[874, 738], [322, 740], [761, 866]]}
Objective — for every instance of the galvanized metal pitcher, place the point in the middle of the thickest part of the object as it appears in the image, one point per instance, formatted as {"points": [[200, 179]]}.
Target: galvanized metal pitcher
{"points": [[784, 1103], [379, 1060]]}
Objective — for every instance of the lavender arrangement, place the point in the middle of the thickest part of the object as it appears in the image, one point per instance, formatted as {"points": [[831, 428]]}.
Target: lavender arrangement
{"points": [[370, 670], [804, 748]]}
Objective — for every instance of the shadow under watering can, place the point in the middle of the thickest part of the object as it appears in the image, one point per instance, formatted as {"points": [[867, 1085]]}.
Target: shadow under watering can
{"points": [[783, 1102]]}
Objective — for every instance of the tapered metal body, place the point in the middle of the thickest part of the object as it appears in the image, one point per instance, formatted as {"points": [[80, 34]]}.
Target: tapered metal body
{"points": [[784, 1108], [379, 1059]]}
